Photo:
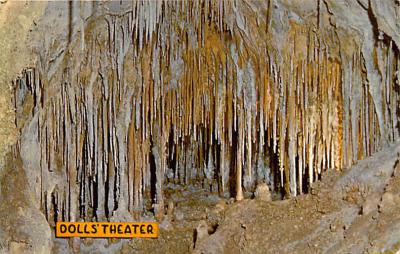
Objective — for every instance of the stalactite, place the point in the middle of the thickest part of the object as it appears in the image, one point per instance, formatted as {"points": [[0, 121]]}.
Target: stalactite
{"points": [[180, 87]]}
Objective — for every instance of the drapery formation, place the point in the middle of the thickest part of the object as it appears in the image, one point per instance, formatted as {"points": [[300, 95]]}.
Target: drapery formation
{"points": [[200, 92]]}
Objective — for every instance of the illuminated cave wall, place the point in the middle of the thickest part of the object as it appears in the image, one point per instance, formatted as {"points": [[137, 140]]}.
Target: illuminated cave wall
{"points": [[226, 94]]}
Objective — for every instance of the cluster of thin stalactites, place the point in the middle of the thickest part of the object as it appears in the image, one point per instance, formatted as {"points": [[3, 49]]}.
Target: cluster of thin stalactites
{"points": [[154, 101]]}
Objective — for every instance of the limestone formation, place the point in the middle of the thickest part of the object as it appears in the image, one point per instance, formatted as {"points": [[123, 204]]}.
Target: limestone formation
{"points": [[127, 101], [262, 192], [236, 96]]}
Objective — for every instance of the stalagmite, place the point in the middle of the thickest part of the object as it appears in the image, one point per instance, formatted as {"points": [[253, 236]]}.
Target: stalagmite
{"points": [[239, 191]]}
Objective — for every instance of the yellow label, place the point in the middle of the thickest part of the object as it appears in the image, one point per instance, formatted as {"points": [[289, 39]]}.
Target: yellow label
{"points": [[107, 229]]}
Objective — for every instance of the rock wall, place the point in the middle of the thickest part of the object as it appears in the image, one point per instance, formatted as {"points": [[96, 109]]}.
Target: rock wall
{"points": [[16, 54]]}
